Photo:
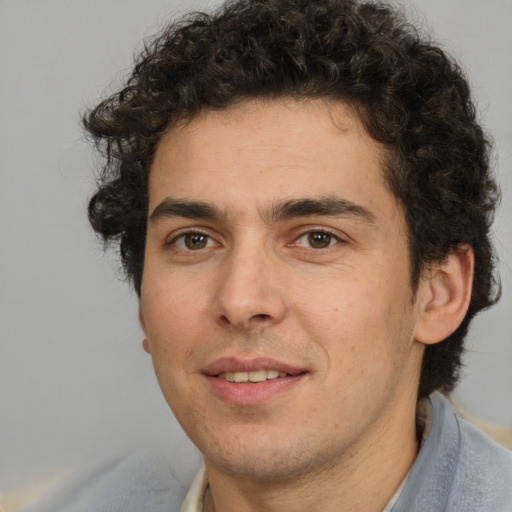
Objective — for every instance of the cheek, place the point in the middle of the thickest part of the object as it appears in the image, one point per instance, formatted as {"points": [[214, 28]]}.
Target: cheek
{"points": [[171, 317], [168, 319], [358, 319], [170, 304]]}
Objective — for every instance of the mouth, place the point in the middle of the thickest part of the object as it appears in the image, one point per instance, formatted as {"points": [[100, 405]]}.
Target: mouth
{"points": [[251, 382]]}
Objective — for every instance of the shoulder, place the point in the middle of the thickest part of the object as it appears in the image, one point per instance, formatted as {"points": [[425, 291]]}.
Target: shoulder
{"points": [[458, 468], [151, 478], [484, 472]]}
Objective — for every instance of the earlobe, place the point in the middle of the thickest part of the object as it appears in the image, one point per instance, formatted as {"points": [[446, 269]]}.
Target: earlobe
{"points": [[145, 345], [444, 294], [145, 342]]}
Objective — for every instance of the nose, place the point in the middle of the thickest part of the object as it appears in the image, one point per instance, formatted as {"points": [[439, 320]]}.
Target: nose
{"points": [[249, 294]]}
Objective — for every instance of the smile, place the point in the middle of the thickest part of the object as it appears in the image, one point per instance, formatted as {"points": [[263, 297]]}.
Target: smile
{"points": [[252, 382], [251, 377]]}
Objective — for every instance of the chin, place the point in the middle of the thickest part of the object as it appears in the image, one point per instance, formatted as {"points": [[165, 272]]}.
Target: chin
{"points": [[269, 461]]}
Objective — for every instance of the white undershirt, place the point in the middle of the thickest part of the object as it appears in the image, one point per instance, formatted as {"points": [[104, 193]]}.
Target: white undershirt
{"points": [[195, 497]]}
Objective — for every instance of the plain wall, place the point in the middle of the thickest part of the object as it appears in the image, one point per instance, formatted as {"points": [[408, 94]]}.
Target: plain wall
{"points": [[75, 383]]}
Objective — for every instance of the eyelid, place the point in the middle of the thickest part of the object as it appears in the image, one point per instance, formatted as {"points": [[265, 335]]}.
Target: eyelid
{"points": [[305, 230], [180, 233], [318, 229]]}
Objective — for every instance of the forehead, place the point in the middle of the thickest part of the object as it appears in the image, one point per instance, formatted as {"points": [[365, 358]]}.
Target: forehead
{"points": [[257, 152]]}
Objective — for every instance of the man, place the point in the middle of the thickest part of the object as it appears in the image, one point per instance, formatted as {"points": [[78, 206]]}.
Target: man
{"points": [[302, 200]]}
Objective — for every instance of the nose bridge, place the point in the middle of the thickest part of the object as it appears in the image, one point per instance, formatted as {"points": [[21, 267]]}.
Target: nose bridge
{"points": [[248, 291]]}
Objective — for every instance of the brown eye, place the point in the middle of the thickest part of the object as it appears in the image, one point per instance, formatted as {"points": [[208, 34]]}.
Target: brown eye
{"points": [[319, 240], [194, 241]]}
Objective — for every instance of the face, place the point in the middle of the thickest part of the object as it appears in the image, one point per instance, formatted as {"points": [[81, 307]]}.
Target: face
{"points": [[276, 298]]}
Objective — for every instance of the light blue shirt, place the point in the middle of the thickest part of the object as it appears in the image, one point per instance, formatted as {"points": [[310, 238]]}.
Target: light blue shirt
{"points": [[458, 469]]}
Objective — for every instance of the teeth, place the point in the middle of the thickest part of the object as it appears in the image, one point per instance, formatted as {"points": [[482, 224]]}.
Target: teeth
{"points": [[240, 377], [255, 376], [259, 376]]}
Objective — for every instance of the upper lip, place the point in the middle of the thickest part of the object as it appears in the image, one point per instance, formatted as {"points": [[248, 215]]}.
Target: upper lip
{"points": [[235, 364]]}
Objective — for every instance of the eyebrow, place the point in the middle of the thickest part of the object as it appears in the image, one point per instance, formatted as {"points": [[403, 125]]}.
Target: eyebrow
{"points": [[169, 208], [323, 206], [284, 210]]}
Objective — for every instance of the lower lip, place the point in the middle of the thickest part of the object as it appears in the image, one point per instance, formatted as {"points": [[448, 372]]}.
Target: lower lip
{"points": [[252, 394]]}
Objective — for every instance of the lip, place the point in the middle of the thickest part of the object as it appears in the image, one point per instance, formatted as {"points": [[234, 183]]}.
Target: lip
{"points": [[250, 395], [235, 364]]}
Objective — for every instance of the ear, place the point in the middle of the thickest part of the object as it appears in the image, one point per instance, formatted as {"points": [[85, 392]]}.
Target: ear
{"points": [[145, 343], [443, 295]]}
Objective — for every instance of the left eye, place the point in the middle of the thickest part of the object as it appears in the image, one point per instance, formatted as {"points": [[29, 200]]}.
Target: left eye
{"points": [[193, 241], [317, 240]]}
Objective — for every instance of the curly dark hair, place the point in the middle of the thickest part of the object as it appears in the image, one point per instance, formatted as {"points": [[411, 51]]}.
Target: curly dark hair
{"points": [[410, 95]]}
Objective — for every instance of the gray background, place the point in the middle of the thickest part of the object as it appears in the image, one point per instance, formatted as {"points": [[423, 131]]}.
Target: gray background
{"points": [[75, 383]]}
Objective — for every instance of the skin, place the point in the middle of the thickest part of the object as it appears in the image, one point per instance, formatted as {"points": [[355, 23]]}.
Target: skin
{"points": [[325, 291]]}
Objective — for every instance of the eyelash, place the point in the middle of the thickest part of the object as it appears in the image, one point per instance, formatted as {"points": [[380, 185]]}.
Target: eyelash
{"points": [[334, 240], [182, 236]]}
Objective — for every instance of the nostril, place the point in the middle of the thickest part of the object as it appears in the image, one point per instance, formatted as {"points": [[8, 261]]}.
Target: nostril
{"points": [[224, 319], [252, 321], [260, 317]]}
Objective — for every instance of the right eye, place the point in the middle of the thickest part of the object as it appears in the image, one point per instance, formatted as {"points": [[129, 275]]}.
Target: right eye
{"points": [[192, 241]]}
